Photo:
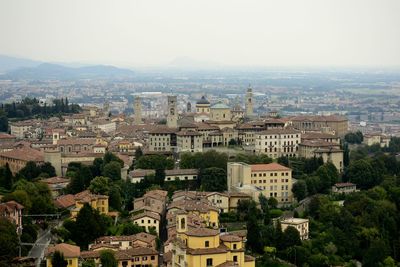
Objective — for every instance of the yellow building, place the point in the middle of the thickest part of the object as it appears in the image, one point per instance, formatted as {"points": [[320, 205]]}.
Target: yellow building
{"points": [[97, 202], [272, 180], [71, 254], [140, 256], [148, 220], [195, 247], [301, 225]]}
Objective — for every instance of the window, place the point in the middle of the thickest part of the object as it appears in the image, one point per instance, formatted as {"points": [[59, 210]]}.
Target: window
{"points": [[152, 257], [234, 246], [209, 262], [207, 244], [235, 258]]}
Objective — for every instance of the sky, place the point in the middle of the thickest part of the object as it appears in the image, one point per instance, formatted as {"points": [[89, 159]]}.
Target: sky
{"points": [[209, 32]]}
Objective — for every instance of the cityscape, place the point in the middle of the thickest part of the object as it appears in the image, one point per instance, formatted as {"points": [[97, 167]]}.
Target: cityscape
{"points": [[105, 162]]}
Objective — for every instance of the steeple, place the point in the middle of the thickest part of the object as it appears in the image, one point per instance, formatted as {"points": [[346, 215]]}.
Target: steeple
{"points": [[249, 102]]}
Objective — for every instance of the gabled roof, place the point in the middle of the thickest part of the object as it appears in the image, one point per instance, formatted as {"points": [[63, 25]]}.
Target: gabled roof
{"points": [[268, 167], [69, 251]]}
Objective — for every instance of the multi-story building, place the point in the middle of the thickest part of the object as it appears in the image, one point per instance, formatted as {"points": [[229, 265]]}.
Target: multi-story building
{"points": [[272, 180], [137, 175], [162, 139], [206, 247], [330, 152], [126, 241], [97, 202], [189, 141], [148, 220], [277, 142], [371, 139], [12, 211], [334, 123], [301, 225], [18, 129], [17, 158], [71, 254]]}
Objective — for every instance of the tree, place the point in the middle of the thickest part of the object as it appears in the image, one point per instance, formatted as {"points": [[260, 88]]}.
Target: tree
{"points": [[89, 226], [291, 237], [48, 168], [354, 138], [361, 173], [77, 184], [30, 171], [109, 157], [254, 242], [204, 160], [58, 260], [112, 170], [8, 177], [107, 258], [232, 142], [272, 202], [115, 200], [138, 153], [160, 176], [299, 190], [265, 208], [154, 162], [213, 179], [100, 185], [97, 167], [8, 241]]}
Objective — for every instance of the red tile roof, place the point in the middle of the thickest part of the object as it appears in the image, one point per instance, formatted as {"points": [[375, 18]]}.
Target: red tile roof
{"points": [[268, 167]]}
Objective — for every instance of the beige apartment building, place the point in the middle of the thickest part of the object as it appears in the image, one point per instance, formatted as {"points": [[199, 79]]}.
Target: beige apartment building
{"points": [[301, 225], [330, 152], [189, 141], [277, 142], [220, 112], [334, 123], [272, 180], [160, 139]]}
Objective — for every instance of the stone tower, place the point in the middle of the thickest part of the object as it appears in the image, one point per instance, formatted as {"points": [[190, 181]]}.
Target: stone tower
{"points": [[137, 107], [249, 102], [188, 107], [172, 117]]}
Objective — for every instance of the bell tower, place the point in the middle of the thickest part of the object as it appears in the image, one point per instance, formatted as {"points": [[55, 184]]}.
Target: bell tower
{"points": [[172, 117], [137, 107], [249, 102]]}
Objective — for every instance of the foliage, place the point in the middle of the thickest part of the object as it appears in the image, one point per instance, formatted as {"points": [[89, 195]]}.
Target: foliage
{"points": [[8, 241], [204, 160], [112, 170], [213, 179], [354, 138], [107, 258], [252, 159], [58, 260], [100, 185], [154, 162], [299, 190]]}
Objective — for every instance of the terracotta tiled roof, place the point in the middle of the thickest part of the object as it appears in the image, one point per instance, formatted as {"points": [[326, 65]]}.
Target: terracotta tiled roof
{"points": [[204, 251], [65, 201], [269, 167], [55, 180], [202, 232], [330, 118], [149, 214], [122, 254], [69, 251], [230, 238], [25, 154], [87, 196]]}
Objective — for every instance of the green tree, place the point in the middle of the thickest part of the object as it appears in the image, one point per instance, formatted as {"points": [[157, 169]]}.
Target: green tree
{"points": [[265, 208], [138, 153], [8, 241], [154, 162], [109, 157], [100, 185], [30, 171], [272, 202], [107, 258], [58, 260], [8, 177], [89, 226], [254, 242], [160, 177], [112, 170], [77, 183], [48, 168], [213, 179], [88, 263], [299, 190], [291, 237], [361, 173], [115, 200]]}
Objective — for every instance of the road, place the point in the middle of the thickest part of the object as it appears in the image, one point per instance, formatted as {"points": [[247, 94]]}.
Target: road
{"points": [[40, 246]]}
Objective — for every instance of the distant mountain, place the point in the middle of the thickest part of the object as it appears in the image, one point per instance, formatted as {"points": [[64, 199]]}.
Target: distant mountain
{"points": [[47, 71], [11, 63]]}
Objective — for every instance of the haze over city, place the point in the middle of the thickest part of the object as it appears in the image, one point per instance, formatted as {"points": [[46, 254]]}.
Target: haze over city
{"points": [[209, 33]]}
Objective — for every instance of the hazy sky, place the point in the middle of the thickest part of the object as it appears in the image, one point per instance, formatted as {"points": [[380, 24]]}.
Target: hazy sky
{"points": [[227, 32]]}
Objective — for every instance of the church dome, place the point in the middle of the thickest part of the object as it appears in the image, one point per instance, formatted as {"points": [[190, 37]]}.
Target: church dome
{"points": [[203, 101]]}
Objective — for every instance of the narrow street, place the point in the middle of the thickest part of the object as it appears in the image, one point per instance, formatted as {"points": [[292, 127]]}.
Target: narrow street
{"points": [[40, 246]]}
